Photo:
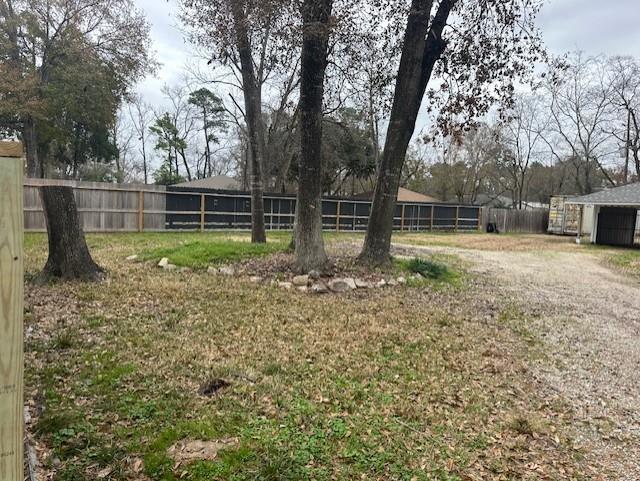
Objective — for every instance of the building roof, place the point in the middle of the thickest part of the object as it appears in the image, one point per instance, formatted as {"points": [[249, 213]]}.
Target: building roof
{"points": [[626, 195], [404, 195], [218, 182]]}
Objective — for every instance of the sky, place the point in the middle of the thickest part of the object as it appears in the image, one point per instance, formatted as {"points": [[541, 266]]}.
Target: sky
{"points": [[595, 26]]}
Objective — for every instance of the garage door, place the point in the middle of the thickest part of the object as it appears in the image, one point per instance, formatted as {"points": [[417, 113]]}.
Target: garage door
{"points": [[616, 226]]}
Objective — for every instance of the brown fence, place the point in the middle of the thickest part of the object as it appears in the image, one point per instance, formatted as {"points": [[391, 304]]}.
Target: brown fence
{"points": [[102, 207], [136, 208], [533, 221]]}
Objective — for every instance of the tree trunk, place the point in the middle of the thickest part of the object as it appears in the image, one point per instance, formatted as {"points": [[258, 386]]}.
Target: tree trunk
{"points": [[30, 138], [310, 253], [69, 257], [255, 126], [423, 46]]}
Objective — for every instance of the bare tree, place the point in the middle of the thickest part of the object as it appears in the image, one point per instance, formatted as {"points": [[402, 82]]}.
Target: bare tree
{"points": [[141, 115], [582, 110], [522, 134], [246, 40], [624, 76]]}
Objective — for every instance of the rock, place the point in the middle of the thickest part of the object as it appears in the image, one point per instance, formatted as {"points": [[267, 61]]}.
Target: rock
{"points": [[132, 258], [401, 280], [319, 288], [342, 285], [185, 269], [302, 288], [315, 275], [285, 285], [381, 283], [163, 262], [170, 267], [392, 282], [255, 279], [227, 271], [360, 284], [212, 270], [300, 281]]}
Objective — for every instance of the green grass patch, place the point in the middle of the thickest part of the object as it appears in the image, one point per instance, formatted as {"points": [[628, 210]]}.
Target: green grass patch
{"points": [[200, 254], [431, 270]]}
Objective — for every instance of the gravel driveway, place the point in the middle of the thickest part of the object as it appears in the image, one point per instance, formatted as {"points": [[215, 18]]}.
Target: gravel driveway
{"points": [[588, 318]]}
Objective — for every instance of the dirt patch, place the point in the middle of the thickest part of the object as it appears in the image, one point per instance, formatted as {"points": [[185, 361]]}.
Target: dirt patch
{"points": [[212, 387]]}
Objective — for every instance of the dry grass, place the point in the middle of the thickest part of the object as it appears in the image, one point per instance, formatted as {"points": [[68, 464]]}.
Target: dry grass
{"points": [[403, 384], [493, 242]]}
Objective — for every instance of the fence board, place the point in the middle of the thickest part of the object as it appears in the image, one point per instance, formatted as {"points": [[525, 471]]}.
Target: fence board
{"points": [[11, 311]]}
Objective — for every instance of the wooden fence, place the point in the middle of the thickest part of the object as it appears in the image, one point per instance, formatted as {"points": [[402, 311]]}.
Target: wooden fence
{"points": [[102, 207], [11, 311], [138, 208], [532, 221]]}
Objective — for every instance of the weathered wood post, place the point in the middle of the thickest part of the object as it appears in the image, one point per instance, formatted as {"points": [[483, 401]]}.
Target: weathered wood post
{"points": [[202, 211], [11, 305]]}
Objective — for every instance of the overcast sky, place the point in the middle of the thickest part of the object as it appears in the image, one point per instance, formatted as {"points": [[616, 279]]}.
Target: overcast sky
{"points": [[595, 26]]}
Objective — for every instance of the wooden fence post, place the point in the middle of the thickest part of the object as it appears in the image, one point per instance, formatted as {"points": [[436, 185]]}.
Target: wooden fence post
{"points": [[457, 217], [11, 311], [431, 219], [338, 217], [141, 211], [202, 211]]}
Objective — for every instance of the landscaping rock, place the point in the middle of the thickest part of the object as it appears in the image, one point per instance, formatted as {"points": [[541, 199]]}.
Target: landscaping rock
{"points": [[360, 284], [381, 283], [319, 288], [212, 270], [256, 279], [401, 280], [392, 282], [314, 275], [300, 281], [285, 285], [302, 288], [163, 262], [132, 258], [227, 271], [342, 285]]}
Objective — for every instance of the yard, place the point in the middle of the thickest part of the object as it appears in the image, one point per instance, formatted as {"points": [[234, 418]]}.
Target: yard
{"points": [[516, 370]]}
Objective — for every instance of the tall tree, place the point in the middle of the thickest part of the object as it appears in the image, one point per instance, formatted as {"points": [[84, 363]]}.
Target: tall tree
{"points": [[488, 45], [248, 40], [309, 244], [50, 45], [582, 110], [522, 135], [141, 115], [212, 112]]}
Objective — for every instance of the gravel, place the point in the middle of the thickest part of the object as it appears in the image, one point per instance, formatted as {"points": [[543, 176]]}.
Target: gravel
{"points": [[588, 318]]}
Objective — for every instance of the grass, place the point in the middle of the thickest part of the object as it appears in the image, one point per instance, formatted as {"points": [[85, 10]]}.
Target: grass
{"points": [[372, 385], [200, 254], [626, 260]]}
